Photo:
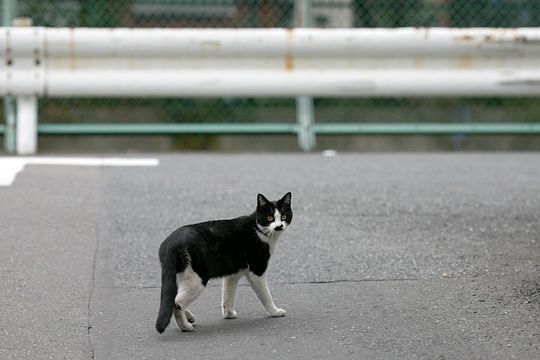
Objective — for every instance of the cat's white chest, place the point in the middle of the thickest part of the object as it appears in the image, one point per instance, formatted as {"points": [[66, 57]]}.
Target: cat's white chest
{"points": [[271, 240]]}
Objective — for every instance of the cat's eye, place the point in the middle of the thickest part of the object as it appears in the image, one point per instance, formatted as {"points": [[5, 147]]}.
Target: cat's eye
{"points": [[283, 217], [270, 218]]}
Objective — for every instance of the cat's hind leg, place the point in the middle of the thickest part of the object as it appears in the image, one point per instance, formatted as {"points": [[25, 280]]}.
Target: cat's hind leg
{"points": [[189, 316], [180, 323], [190, 286]]}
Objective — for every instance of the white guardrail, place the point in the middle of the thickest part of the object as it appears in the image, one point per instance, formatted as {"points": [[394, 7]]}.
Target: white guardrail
{"points": [[84, 62]]}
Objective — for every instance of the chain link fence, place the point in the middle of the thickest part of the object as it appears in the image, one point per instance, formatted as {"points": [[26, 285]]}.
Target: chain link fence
{"points": [[281, 13]]}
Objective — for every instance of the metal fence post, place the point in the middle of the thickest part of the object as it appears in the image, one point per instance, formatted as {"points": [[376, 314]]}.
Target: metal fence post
{"points": [[27, 104], [304, 115], [304, 104], [26, 125], [9, 13], [10, 114]]}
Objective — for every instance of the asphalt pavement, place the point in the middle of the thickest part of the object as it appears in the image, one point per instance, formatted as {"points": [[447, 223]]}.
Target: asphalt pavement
{"points": [[389, 256]]}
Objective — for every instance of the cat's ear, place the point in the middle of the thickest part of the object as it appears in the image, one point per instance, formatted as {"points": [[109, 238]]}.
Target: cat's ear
{"points": [[285, 201], [261, 200]]}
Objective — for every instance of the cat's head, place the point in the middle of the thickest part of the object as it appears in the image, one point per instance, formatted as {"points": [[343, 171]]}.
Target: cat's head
{"points": [[274, 215]]}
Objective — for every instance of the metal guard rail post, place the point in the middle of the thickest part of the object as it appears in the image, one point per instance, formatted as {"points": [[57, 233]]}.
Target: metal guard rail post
{"points": [[422, 62]]}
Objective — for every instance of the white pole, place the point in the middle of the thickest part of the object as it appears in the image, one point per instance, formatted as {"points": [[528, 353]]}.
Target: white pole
{"points": [[26, 125], [305, 114], [305, 118], [10, 11]]}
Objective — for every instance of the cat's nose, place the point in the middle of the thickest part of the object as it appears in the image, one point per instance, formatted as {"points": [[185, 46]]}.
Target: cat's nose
{"points": [[279, 227]]}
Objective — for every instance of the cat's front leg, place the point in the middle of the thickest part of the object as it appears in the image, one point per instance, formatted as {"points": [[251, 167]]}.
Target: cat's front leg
{"points": [[230, 283], [260, 287]]}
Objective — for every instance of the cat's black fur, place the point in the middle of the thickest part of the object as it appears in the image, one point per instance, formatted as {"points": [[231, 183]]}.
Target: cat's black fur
{"points": [[215, 249]]}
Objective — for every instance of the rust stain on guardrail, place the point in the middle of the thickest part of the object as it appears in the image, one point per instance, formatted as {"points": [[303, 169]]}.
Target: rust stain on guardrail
{"points": [[465, 62], [520, 82], [526, 40], [211, 43], [71, 45], [289, 58], [498, 38], [289, 62]]}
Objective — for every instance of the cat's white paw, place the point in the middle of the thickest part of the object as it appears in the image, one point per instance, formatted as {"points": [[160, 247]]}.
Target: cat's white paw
{"points": [[189, 316], [183, 324], [230, 314], [187, 327], [279, 313]]}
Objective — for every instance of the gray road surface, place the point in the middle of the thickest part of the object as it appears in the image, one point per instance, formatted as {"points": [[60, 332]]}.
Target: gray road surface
{"points": [[389, 256]]}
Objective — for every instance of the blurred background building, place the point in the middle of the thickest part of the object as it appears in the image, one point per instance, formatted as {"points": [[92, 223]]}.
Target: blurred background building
{"points": [[280, 13]]}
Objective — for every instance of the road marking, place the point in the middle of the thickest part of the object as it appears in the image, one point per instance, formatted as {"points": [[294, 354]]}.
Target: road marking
{"points": [[11, 166]]}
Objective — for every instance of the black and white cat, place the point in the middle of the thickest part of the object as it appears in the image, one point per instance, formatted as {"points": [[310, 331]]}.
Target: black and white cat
{"points": [[194, 254]]}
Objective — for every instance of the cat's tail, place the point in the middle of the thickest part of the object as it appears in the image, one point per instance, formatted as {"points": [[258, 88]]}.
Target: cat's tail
{"points": [[168, 292]]}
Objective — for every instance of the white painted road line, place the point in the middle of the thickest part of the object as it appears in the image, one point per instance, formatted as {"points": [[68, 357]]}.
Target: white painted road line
{"points": [[11, 166]]}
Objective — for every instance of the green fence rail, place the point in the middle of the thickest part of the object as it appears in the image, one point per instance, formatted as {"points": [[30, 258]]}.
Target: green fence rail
{"points": [[167, 129], [428, 129], [289, 129]]}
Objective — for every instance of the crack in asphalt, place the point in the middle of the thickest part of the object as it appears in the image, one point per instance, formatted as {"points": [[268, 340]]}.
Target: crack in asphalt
{"points": [[89, 303], [349, 281], [279, 283]]}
